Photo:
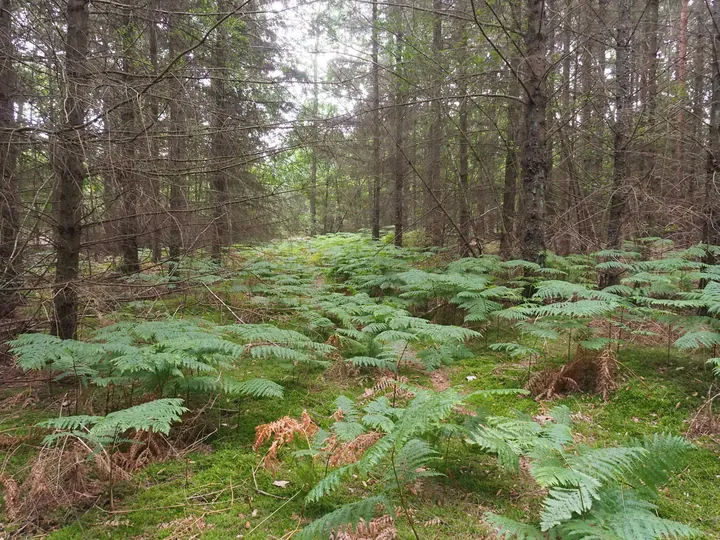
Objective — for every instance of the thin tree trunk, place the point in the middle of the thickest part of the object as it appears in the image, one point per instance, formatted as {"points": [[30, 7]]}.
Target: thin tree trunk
{"points": [[512, 170], [711, 225], [70, 173], [220, 149], [463, 176], [377, 164], [623, 103], [399, 114], [155, 235], [127, 178], [434, 192], [535, 164], [650, 91], [313, 149], [9, 224], [178, 150]]}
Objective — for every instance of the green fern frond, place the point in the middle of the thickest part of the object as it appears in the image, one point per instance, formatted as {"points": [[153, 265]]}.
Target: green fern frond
{"points": [[698, 339], [156, 416], [562, 504], [510, 529], [258, 388], [330, 483], [349, 514]]}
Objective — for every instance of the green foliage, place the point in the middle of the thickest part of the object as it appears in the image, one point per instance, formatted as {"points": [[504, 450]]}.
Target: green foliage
{"points": [[349, 514], [169, 357], [156, 416], [592, 492]]}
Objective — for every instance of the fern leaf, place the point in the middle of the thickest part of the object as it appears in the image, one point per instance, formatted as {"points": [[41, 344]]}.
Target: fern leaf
{"points": [[512, 530], [351, 514], [258, 388]]}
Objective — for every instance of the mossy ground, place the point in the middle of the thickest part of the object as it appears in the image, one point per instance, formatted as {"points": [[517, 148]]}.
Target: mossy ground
{"points": [[213, 494]]}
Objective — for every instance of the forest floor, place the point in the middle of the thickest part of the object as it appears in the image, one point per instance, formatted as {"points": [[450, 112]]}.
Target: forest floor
{"points": [[219, 491]]}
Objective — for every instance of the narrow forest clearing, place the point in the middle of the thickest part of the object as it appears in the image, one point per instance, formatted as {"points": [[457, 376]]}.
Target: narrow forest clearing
{"points": [[342, 335]]}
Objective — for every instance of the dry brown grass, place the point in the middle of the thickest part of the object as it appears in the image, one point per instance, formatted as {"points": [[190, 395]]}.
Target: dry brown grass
{"points": [[65, 476]]}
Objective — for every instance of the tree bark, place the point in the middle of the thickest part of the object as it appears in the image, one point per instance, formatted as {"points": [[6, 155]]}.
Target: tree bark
{"points": [[155, 236], [464, 217], [434, 191], [623, 111], [512, 170], [535, 164], [399, 113], [70, 172], [219, 147], [313, 149], [9, 223], [127, 181], [711, 211], [377, 164], [178, 150]]}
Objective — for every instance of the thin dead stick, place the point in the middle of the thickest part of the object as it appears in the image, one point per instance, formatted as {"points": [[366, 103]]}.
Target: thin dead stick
{"points": [[261, 492], [274, 512], [237, 317]]}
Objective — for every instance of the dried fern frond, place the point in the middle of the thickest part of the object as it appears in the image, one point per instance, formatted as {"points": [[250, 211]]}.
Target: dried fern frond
{"points": [[606, 367], [380, 528], [282, 431], [352, 451]]}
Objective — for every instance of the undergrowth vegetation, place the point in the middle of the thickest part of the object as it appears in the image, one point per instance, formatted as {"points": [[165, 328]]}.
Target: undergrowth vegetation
{"points": [[339, 387]]}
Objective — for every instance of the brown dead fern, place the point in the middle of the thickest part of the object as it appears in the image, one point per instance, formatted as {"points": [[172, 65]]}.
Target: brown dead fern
{"points": [[381, 528], [351, 451], [282, 432], [590, 372]]}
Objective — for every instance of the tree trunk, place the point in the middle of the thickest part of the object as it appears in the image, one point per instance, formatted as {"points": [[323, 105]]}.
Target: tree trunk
{"points": [[9, 201], [711, 225], [377, 164], [178, 150], [434, 192], [154, 189], [399, 113], [70, 172], [220, 149], [463, 176], [649, 97], [512, 170], [313, 149], [127, 183], [535, 164], [623, 103]]}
